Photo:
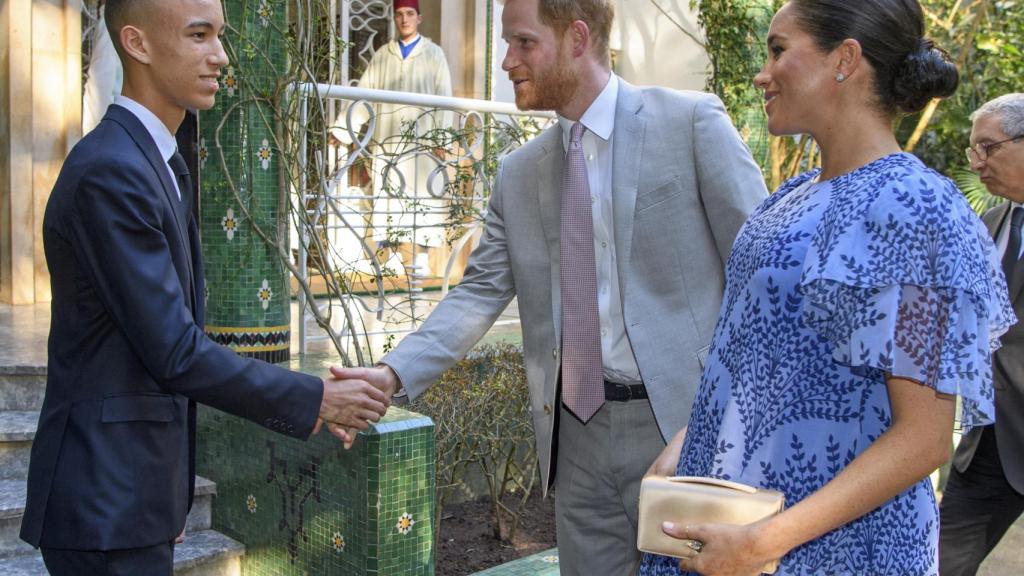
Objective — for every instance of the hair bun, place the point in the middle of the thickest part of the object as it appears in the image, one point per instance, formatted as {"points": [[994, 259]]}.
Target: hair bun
{"points": [[925, 73]]}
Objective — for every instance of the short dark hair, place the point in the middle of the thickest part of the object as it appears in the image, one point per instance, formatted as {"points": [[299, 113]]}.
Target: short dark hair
{"points": [[909, 68], [120, 13]]}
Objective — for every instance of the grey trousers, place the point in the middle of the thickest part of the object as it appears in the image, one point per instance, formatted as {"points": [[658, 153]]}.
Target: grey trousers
{"points": [[597, 487]]}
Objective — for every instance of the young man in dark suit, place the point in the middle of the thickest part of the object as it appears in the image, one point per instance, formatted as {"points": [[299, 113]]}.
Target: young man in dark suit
{"points": [[112, 466]]}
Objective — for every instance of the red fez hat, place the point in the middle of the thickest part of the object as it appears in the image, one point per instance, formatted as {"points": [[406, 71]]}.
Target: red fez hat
{"points": [[414, 4]]}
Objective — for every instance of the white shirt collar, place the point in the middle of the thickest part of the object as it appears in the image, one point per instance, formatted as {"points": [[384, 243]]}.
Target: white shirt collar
{"points": [[600, 116], [410, 42], [165, 141]]}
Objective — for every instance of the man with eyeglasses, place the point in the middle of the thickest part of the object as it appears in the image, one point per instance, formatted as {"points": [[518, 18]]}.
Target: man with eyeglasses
{"points": [[985, 493]]}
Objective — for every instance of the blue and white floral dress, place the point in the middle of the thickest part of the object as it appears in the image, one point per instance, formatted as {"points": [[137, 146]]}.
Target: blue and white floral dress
{"points": [[830, 287]]}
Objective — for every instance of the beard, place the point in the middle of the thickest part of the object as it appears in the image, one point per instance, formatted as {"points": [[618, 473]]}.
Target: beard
{"points": [[552, 88]]}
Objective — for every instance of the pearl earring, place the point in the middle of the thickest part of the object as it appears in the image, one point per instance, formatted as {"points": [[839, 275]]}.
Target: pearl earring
{"points": [[840, 77]]}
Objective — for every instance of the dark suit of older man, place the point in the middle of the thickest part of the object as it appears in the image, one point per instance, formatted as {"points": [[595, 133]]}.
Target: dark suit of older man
{"points": [[985, 493]]}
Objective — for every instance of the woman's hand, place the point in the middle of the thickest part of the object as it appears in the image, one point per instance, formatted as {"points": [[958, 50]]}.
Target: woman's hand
{"points": [[725, 549], [667, 462]]}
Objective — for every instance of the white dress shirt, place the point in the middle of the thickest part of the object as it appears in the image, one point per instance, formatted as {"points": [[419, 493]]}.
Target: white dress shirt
{"points": [[599, 120], [1004, 234], [165, 141]]}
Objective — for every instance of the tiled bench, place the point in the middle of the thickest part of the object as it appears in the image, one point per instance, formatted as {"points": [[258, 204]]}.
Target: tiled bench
{"points": [[315, 508]]}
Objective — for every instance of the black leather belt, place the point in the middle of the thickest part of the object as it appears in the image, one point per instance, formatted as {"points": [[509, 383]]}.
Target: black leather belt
{"points": [[623, 392]]}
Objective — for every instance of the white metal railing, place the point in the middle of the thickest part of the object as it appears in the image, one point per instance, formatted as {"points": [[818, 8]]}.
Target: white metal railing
{"points": [[436, 160]]}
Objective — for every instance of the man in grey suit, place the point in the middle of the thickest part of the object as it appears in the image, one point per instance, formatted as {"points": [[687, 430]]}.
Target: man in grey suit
{"points": [[985, 492], [612, 228]]}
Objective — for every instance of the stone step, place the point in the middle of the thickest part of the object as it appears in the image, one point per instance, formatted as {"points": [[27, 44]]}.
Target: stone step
{"points": [[17, 430], [200, 517], [205, 553], [12, 508], [22, 387]]}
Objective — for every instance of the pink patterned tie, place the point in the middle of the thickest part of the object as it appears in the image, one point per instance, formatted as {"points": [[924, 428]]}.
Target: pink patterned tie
{"points": [[582, 369]]}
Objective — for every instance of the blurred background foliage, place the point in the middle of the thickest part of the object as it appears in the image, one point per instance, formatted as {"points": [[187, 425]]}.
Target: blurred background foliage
{"points": [[984, 37]]}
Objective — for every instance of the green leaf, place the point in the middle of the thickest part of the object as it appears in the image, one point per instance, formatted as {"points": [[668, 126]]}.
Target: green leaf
{"points": [[978, 196]]}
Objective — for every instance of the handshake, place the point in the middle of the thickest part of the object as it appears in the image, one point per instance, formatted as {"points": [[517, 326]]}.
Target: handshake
{"points": [[354, 397]]}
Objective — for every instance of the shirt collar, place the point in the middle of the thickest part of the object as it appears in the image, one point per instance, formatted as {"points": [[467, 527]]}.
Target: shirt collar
{"points": [[165, 141], [411, 42], [600, 116]]}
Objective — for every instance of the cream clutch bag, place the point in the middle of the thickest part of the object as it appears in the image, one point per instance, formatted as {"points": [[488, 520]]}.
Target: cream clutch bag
{"points": [[697, 500]]}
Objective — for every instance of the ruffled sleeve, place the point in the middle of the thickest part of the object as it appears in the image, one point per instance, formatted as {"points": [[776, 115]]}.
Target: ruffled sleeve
{"points": [[902, 277]]}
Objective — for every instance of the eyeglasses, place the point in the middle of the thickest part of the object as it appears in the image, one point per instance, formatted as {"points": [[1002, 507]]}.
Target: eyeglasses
{"points": [[981, 152]]}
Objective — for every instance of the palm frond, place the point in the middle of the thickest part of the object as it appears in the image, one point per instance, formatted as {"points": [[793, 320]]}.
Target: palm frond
{"points": [[978, 196]]}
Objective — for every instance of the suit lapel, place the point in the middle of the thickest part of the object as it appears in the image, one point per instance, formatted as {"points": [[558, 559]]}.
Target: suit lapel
{"points": [[994, 218], [145, 142], [626, 161], [549, 171]]}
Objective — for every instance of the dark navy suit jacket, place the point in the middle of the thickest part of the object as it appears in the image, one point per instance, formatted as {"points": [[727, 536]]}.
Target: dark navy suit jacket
{"points": [[111, 464]]}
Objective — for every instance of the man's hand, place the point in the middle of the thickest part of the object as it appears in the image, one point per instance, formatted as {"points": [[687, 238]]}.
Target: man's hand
{"points": [[352, 403], [381, 377]]}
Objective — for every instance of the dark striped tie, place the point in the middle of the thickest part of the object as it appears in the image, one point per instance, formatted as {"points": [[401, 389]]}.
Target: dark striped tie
{"points": [[184, 181], [1012, 253]]}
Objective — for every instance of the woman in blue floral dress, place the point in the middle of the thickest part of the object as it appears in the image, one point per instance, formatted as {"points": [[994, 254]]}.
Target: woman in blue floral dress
{"points": [[861, 299]]}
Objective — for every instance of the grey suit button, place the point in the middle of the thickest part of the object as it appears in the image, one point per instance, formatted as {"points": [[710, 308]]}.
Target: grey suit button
{"points": [[547, 409], [554, 352], [291, 429]]}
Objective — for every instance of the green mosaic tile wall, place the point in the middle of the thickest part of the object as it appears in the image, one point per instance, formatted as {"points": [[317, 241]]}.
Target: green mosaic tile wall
{"points": [[314, 508], [247, 287]]}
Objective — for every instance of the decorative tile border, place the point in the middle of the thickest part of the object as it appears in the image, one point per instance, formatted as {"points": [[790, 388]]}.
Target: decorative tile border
{"points": [[270, 344]]}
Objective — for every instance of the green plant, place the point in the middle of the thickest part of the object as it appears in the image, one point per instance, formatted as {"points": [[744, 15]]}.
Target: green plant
{"points": [[736, 31], [977, 195], [983, 37], [481, 413]]}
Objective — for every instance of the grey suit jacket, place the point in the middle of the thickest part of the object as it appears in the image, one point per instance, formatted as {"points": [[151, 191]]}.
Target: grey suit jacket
{"points": [[1007, 377], [682, 184]]}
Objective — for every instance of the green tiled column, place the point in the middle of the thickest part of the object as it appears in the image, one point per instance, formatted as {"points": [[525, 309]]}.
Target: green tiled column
{"points": [[247, 297], [312, 507]]}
